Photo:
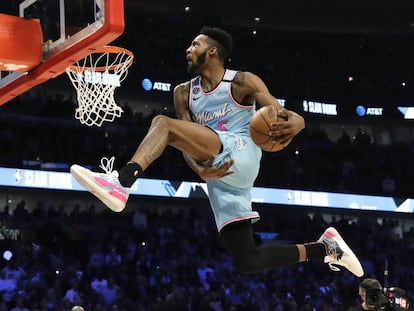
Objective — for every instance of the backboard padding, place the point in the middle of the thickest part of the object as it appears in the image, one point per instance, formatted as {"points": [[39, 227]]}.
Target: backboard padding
{"points": [[102, 32]]}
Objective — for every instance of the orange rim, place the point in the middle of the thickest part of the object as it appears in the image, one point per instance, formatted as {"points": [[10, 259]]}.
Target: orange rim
{"points": [[109, 50]]}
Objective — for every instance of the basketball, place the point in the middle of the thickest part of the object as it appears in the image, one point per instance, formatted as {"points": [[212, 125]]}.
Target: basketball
{"points": [[260, 125]]}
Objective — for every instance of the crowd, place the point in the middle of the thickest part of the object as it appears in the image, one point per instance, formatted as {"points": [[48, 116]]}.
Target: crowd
{"points": [[166, 255]]}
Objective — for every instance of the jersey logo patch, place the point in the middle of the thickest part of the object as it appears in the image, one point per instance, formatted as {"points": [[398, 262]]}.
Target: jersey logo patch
{"points": [[196, 91]]}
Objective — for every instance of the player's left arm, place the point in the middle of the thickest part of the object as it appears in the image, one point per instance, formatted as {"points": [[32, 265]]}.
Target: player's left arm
{"points": [[248, 87]]}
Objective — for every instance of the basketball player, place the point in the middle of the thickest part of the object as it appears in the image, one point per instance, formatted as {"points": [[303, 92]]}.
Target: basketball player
{"points": [[214, 109]]}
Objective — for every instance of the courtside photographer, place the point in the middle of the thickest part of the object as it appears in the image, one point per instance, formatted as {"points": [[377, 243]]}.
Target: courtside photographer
{"points": [[375, 297]]}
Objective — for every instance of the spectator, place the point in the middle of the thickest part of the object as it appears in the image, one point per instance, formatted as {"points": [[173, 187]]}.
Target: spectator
{"points": [[20, 305], [366, 285]]}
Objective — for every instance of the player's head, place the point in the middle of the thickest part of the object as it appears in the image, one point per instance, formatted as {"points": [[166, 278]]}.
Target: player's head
{"points": [[211, 42], [220, 39], [369, 283]]}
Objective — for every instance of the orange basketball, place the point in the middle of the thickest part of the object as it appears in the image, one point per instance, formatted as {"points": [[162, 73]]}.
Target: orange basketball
{"points": [[260, 125]]}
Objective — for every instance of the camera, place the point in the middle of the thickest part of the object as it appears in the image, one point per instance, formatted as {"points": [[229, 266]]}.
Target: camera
{"points": [[387, 299]]}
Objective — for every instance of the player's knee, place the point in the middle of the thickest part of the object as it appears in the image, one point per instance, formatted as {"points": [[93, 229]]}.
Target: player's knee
{"points": [[160, 120]]}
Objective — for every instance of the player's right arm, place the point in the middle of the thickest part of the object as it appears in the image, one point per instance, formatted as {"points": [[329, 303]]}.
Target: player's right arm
{"points": [[248, 87], [181, 93], [181, 96]]}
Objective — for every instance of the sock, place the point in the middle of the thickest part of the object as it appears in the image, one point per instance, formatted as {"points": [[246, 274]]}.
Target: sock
{"points": [[129, 174], [315, 250]]}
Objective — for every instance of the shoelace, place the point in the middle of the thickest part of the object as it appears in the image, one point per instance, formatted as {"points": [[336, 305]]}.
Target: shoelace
{"points": [[333, 267], [107, 165], [331, 252]]}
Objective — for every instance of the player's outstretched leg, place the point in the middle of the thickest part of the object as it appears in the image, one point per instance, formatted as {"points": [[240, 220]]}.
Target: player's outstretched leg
{"points": [[105, 186], [338, 253]]}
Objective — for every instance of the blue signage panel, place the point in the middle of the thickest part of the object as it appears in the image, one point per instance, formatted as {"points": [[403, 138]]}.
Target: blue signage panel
{"points": [[15, 177]]}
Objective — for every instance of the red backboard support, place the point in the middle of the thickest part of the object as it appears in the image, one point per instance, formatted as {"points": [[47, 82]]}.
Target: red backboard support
{"points": [[81, 44]]}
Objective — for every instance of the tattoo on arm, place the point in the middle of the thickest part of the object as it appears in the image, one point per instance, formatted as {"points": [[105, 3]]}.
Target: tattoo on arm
{"points": [[181, 100], [186, 88], [239, 78]]}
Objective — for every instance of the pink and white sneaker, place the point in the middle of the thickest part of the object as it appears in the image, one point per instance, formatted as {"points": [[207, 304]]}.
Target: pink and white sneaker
{"points": [[338, 253], [105, 186]]}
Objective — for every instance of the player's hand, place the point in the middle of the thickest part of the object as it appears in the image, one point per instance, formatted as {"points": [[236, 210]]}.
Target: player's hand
{"points": [[289, 125], [209, 171]]}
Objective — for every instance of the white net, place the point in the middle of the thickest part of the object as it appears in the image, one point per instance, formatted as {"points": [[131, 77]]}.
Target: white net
{"points": [[95, 79]]}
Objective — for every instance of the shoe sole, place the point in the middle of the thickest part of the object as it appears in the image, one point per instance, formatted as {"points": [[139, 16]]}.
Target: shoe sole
{"points": [[84, 178], [346, 249]]}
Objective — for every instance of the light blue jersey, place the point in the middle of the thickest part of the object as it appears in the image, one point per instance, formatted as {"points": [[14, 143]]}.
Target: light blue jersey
{"points": [[230, 196], [218, 109]]}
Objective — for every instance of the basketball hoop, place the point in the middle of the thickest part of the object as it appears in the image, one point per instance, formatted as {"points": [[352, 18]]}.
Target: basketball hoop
{"points": [[95, 78]]}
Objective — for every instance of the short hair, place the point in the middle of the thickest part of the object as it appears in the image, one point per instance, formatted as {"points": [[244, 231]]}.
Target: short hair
{"points": [[222, 37], [370, 284]]}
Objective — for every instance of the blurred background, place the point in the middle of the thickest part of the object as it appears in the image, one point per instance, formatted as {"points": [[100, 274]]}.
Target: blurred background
{"points": [[346, 67]]}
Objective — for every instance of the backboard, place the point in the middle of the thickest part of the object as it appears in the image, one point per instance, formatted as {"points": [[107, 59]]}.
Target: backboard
{"points": [[70, 30]]}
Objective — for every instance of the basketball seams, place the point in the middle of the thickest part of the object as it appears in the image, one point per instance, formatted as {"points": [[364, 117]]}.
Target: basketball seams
{"points": [[267, 137], [267, 110], [260, 125]]}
